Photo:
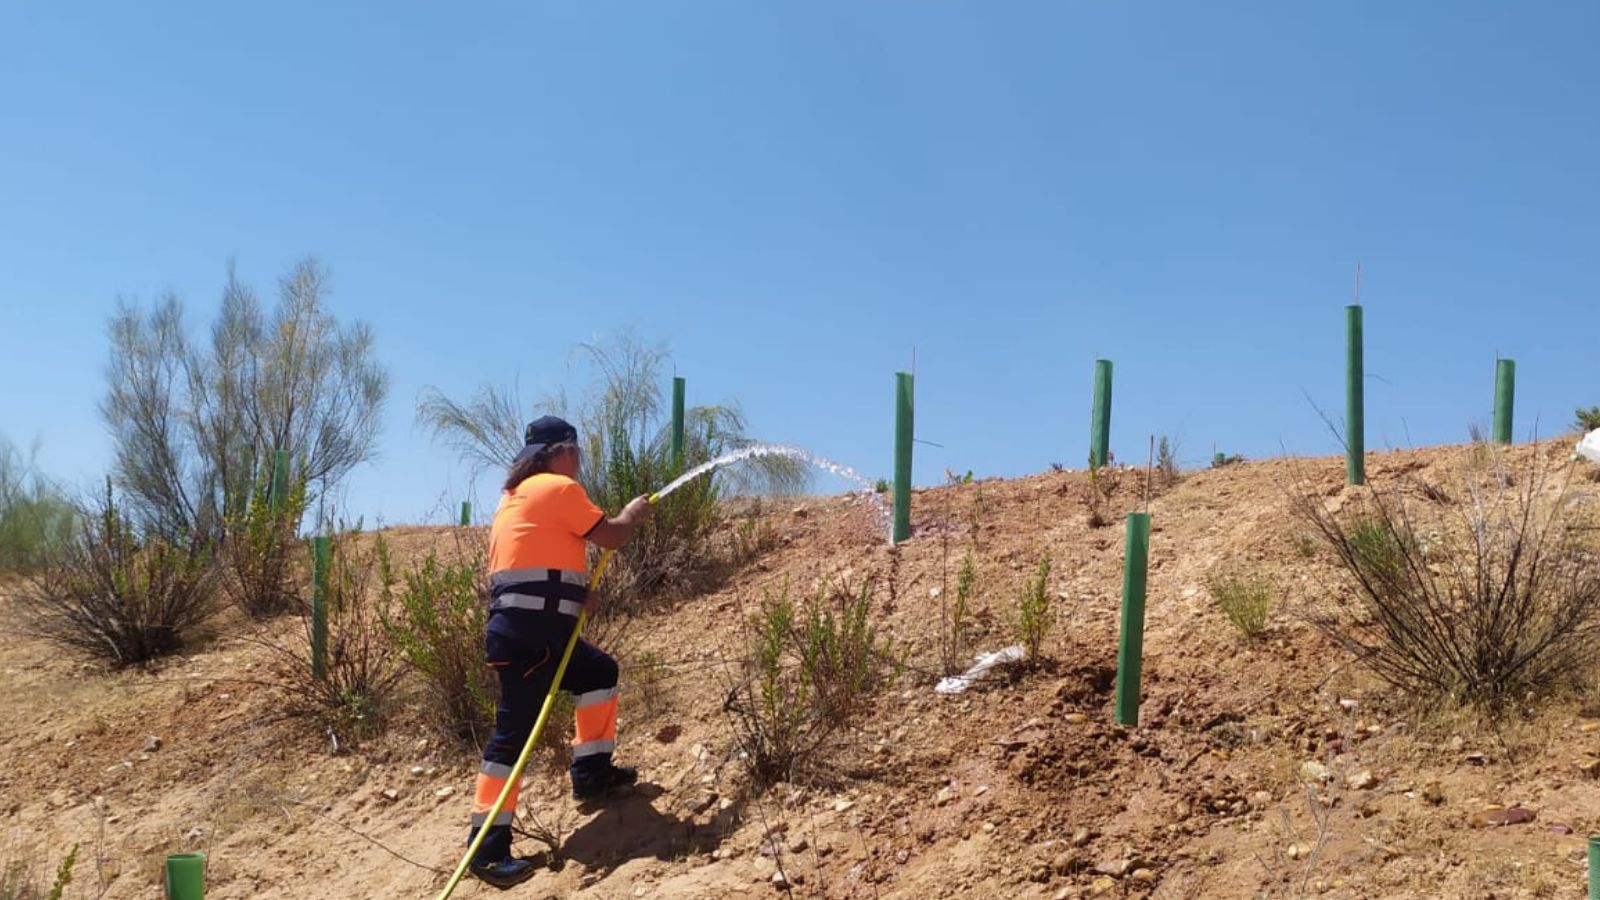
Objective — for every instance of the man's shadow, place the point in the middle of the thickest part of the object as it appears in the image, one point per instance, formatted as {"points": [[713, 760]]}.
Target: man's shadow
{"points": [[630, 827]]}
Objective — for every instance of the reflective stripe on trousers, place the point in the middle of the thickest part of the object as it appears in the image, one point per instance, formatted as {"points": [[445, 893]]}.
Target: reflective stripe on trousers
{"points": [[510, 600], [509, 577], [596, 723], [491, 781]]}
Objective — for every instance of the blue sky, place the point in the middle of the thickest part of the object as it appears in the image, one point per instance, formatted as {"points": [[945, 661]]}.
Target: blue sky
{"points": [[794, 195]]}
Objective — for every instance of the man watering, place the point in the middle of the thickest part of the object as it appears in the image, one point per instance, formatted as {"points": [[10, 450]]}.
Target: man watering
{"points": [[538, 579]]}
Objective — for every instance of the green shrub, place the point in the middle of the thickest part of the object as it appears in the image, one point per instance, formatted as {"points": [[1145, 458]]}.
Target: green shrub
{"points": [[1246, 601], [191, 421], [774, 721], [117, 593], [805, 677], [36, 519], [840, 655], [436, 613], [1587, 420], [260, 538], [1034, 615]]}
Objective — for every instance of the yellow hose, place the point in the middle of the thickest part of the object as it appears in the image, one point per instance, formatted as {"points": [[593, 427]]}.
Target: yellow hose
{"points": [[533, 737]]}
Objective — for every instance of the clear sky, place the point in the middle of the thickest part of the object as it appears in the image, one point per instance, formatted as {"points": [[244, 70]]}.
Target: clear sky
{"points": [[794, 195]]}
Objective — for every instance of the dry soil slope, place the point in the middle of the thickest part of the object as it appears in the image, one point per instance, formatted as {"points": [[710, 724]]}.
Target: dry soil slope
{"points": [[1020, 788]]}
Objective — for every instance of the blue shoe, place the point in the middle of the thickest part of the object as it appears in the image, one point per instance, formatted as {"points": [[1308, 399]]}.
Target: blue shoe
{"points": [[505, 873]]}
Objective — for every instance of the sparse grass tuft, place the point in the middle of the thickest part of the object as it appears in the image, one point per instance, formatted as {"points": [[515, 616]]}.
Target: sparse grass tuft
{"points": [[1097, 499], [751, 538], [646, 680], [1304, 544], [18, 882], [1245, 600]]}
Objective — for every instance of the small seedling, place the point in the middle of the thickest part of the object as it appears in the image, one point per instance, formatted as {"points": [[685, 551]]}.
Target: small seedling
{"points": [[1034, 615], [953, 650], [1167, 461]]}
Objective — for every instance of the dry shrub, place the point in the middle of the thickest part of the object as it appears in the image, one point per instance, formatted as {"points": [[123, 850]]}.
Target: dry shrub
{"points": [[119, 593], [1167, 462], [360, 685], [1493, 600], [1103, 484]]}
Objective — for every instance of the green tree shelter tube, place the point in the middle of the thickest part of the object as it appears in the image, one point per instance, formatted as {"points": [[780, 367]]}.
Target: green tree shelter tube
{"points": [[679, 387], [1355, 401], [466, 513], [321, 557], [186, 876], [1594, 868], [280, 478], [1100, 424], [1505, 391], [1130, 650], [904, 432]]}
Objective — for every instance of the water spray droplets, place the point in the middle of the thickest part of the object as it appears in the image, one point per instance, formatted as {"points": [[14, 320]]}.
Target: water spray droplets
{"points": [[755, 451]]}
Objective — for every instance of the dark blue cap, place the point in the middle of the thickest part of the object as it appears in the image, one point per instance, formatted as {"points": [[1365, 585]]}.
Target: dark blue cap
{"points": [[544, 431]]}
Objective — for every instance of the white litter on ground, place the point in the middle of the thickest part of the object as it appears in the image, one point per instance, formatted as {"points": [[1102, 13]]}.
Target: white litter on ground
{"points": [[955, 684], [1589, 447]]}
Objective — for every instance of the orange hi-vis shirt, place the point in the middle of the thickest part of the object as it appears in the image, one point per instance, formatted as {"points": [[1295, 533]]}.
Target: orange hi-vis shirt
{"points": [[537, 542]]}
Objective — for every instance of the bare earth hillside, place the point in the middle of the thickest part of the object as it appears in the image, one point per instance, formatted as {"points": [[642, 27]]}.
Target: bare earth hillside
{"points": [[1272, 768]]}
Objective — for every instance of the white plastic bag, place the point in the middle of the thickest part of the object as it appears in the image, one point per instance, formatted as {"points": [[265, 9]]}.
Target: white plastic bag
{"points": [[1589, 447], [956, 684]]}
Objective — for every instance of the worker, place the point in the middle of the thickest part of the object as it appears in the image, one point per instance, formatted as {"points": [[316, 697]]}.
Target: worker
{"points": [[538, 582]]}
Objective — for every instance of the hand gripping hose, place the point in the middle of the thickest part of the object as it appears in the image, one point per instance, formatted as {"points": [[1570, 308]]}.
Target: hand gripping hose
{"points": [[533, 738]]}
